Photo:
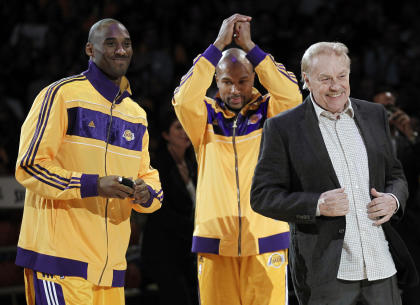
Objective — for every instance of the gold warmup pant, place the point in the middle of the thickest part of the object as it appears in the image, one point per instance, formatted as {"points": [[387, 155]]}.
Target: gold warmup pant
{"points": [[47, 289], [249, 280]]}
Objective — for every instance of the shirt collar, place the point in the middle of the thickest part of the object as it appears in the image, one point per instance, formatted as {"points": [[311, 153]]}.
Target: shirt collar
{"points": [[333, 116], [106, 87]]}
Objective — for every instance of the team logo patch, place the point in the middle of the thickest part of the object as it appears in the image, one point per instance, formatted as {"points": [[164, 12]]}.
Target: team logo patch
{"points": [[255, 118], [128, 135], [91, 124], [276, 260]]}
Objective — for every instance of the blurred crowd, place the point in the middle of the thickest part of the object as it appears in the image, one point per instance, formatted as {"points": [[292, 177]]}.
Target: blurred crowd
{"points": [[44, 41]]}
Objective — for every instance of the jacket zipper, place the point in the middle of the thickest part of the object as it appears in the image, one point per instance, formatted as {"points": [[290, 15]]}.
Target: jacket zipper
{"points": [[106, 174], [238, 193]]}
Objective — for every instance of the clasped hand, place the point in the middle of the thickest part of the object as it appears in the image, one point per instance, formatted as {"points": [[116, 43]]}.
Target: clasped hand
{"points": [[380, 209], [110, 187]]}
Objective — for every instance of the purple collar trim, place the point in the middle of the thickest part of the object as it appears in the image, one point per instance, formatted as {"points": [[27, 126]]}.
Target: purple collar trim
{"points": [[103, 85]]}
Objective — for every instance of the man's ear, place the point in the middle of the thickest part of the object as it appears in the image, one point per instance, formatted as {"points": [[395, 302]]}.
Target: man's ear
{"points": [[306, 80], [89, 49]]}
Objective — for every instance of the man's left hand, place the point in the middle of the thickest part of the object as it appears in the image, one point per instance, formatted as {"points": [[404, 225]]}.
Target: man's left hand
{"points": [[243, 36], [225, 35], [382, 207], [141, 192]]}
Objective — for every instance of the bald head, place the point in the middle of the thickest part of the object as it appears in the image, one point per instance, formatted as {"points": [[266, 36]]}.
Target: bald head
{"points": [[99, 26], [232, 57], [235, 79]]}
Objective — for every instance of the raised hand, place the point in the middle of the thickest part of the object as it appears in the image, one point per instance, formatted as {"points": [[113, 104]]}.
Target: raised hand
{"points": [[242, 36], [226, 31]]}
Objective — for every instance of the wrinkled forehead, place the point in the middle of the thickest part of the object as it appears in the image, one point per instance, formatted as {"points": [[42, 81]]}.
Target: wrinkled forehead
{"points": [[330, 64], [233, 65]]}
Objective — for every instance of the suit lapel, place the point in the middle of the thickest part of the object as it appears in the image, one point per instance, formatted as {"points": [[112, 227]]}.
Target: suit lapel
{"points": [[366, 130], [313, 138]]}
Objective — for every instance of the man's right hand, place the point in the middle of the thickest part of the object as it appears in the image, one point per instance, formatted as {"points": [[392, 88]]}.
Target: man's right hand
{"points": [[243, 36], [110, 187], [226, 31], [334, 203]]}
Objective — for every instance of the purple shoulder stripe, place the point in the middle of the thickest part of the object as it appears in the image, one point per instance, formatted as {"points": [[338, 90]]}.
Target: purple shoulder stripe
{"points": [[283, 71], [47, 114], [43, 118]]}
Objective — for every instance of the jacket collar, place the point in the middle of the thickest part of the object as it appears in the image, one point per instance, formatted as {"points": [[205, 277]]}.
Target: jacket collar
{"points": [[313, 137], [106, 87], [310, 126]]}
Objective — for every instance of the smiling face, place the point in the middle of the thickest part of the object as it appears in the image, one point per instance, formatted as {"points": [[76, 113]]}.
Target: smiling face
{"points": [[109, 47], [328, 81]]}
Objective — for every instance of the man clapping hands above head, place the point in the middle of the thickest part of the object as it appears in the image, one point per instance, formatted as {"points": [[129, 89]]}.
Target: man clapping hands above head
{"points": [[242, 256]]}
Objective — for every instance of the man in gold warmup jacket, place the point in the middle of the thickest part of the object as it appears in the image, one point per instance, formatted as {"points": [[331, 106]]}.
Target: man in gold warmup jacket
{"points": [[82, 135], [242, 256]]}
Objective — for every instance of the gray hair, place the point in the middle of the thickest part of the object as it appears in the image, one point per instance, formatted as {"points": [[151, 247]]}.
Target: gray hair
{"points": [[323, 47]]}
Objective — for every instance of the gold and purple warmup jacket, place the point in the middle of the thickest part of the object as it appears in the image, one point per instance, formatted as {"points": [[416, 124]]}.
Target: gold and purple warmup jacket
{"points": [[78, 129], [227, 147]]}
